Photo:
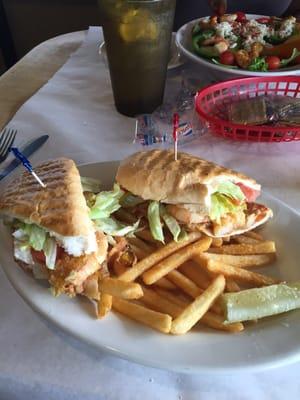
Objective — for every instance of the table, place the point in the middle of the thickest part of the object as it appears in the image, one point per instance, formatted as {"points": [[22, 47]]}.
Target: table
{"points": [[38, 361]]}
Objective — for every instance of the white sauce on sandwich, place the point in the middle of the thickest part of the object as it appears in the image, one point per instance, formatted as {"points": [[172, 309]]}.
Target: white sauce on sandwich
{"points": [[77, 245]]}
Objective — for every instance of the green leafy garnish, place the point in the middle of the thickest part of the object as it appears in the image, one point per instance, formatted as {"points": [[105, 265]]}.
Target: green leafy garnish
{"points": [[258, 64]]}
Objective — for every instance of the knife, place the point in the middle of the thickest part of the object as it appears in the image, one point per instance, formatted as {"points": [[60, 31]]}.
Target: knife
{"points": [[28, 149]]}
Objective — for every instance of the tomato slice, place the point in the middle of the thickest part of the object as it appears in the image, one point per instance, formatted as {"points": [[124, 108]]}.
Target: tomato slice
{"points": [[39, 256], [250, 194]]}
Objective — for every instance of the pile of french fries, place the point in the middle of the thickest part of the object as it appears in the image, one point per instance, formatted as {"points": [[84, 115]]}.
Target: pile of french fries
{"points": [[177, 286]]}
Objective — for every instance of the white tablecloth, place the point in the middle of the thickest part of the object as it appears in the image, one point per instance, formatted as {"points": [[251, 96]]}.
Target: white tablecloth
{"points": [[36, 360]]}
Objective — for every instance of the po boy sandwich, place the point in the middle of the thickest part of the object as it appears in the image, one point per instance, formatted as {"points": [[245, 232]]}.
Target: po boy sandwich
{"points": [[53, 235], [190, 194]]}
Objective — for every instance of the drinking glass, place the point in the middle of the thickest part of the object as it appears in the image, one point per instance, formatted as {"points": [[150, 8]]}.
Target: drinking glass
{"points": [[137, 36]]}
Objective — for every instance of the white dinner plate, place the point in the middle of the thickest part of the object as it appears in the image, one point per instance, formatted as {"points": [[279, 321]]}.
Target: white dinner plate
{"points": [[184, 43], [270, 343]]}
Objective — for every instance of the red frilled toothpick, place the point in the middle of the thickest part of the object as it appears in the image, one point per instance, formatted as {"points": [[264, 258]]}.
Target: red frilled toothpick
{"points": [[175, 128]]}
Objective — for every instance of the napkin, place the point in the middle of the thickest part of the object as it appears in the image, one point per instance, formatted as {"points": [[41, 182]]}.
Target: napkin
{"points": [[37, 360]]}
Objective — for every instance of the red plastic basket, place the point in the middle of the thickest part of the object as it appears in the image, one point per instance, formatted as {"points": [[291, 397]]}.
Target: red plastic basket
{"points": [[211, 103]]}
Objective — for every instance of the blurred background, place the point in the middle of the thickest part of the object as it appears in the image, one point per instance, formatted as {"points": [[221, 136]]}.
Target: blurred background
{"points": [[26, 23]]}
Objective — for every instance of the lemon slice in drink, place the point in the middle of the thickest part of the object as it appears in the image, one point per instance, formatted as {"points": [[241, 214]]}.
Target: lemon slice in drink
{"points": [[255, 303], [138, 25]]}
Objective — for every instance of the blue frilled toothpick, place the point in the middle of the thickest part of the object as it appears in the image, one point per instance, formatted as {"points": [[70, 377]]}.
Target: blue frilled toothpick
{"points": [[26, 164]]}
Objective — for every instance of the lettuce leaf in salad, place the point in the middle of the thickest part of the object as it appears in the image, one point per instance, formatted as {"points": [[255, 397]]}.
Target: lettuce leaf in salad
{"points": [[90, 184], [106, 203], [285, 61], [112, 227], [258, 64], [155, 222]]}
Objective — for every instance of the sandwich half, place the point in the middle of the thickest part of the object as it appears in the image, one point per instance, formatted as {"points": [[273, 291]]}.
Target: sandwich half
{"points": [[53, 235], [191, 192]]}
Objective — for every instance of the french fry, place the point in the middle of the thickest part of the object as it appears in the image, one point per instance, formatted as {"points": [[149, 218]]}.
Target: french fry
{"points": [[189, 287], [195, 311], [104, 305], [165, 284], [140, 254], [184, 283], [254, 235], [156, 320], [242, 261], [146, 248], [159, 303], [232, 286], [117, 288], [196, 274], [181, 301], [217, 322], [146, 235], [244, 239], [173, 261], [157, 256], [119, 268], [240, 274], [259, 248], [217, 242]]}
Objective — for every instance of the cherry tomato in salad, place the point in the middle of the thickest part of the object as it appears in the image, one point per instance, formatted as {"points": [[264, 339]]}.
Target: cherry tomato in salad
{"points": [[241, 16], [264, 20], [273, 62], [227, 58]]}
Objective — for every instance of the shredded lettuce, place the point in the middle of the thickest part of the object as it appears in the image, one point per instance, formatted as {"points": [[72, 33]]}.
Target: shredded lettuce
{"points": [[90, 184], [130, 200], [112, 227], [37, 236], [221, 200], [231, 190], [171, 223], [154, 221], [31, 236], [50, 250], [106, 203], [22, 252]]}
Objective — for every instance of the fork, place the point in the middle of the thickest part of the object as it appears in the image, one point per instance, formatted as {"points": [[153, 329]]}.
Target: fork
{"points": [[7, 138]]}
